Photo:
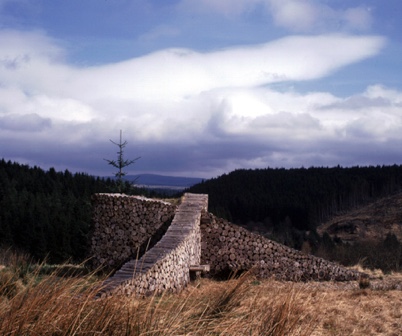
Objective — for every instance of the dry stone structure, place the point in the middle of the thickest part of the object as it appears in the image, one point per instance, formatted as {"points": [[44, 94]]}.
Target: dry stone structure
{"points": [[194, 237], [167, 265], [124, 226], [227, 247]]}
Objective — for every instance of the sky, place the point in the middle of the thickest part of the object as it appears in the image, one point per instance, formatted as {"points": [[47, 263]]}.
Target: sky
{"points": [[200, 88]]}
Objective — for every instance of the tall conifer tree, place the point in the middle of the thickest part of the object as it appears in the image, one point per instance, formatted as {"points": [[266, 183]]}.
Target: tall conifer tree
{"points": [[120, 163]]}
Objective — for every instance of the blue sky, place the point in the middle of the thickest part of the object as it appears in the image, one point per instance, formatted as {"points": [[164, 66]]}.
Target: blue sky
{"points": [[200, 87]]}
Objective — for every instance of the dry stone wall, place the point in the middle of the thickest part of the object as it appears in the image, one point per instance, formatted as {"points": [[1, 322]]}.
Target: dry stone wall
{"points": [[167, 265], [227, 247], [125, 224]]}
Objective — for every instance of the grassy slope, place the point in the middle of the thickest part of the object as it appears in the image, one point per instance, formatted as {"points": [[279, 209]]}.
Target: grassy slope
{"points": [[368, 223], [33, 304]]}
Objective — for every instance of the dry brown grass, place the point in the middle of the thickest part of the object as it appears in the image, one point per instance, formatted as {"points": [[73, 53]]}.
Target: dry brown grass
{"points": [[56, 305], [345, 309]]}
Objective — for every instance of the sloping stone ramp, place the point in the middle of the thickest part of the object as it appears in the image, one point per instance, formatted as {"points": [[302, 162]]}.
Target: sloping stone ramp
{"points": [[167, 265], [227, 248]]}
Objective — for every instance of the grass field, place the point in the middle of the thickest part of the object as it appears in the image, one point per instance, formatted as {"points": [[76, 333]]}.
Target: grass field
{"points": [[38, 302]]}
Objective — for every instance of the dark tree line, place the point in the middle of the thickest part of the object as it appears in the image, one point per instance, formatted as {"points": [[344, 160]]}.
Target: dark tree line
{"points": [[47, 213], [287, 205], [305, 196]]}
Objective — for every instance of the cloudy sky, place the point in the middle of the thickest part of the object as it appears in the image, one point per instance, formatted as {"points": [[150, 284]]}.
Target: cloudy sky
{"points": [[200, 87]]}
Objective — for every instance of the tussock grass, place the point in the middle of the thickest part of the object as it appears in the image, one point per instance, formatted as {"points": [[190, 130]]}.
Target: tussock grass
{"points": [[50, 304]]}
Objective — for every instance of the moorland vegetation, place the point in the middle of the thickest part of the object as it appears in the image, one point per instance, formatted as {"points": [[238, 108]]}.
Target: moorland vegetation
{"points": [[42, 299]]}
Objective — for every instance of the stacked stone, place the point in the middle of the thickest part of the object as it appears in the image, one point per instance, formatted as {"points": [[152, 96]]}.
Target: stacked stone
{"points": [[166, 266], [228, 247], [122, 224]]}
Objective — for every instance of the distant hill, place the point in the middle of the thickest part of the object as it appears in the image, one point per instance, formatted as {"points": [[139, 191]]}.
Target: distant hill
{"points": [[369, 235], [154, 181], [372, 222]]}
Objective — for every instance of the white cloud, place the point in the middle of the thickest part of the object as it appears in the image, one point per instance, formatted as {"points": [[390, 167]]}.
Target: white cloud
{"points": [[295, 15], [381, 92], [188, 110], [177, 73], [32, 62], [312, 16], [372, 116]]}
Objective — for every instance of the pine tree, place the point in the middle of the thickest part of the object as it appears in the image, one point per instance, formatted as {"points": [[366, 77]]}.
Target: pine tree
{"points": [[120, 163]]}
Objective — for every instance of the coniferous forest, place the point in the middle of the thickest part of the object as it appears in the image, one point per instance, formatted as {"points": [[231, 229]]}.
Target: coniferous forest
{"points": [[287, 205], [48, 213], [306, 197]]}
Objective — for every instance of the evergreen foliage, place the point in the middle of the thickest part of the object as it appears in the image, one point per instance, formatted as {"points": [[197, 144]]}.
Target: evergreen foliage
{"points": [[287, 205], [120, 163], [303, 197], [47, 213]]}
